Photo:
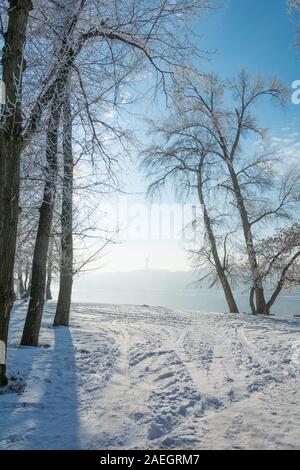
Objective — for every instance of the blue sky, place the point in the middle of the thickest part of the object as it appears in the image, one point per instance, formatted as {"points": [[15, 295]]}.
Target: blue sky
{"points": [[259, 36]]}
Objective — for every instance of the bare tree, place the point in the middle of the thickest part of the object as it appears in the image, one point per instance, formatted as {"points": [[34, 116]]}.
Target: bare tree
{"points": [[186, 159], [32, 325], [49, 270], [66, 263], [121, 49], [38, 278], [220, 114], [221, 266], [153, 33], [280, 255], [10, 151]]}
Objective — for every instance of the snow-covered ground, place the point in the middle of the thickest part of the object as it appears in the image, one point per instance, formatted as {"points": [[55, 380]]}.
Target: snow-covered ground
{"points": [[139, 377]]}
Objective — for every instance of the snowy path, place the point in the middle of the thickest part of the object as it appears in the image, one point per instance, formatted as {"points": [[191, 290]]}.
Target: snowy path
{"points": [[139, 377]]}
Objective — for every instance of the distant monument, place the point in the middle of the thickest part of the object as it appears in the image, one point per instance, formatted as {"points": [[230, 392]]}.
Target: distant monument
{"points": [[147, 262]]}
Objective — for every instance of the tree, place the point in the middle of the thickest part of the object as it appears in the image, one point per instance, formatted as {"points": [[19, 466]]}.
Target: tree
{"points": [[32, 325], [256, 186], [119, 47], [186, 158], [33, 320], [221, 266], [66, 262], [242, 123], [49, 271], [11, 143], [214, 119]]}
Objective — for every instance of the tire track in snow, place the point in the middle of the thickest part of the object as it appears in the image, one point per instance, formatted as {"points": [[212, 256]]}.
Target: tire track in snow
{"points": [[157, 394]]}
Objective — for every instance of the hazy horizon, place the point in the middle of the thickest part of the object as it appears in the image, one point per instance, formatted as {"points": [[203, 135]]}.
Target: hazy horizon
{"points": [[165, 288]]}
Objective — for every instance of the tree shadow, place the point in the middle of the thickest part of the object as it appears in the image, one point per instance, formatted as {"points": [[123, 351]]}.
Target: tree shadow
{"points": [[45, 416]]}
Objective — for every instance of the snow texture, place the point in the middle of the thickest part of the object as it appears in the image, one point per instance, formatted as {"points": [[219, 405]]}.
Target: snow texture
{"points": [[131, 377]]}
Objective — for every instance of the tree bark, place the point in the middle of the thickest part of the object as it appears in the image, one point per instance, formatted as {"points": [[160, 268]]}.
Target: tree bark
{"points": [[11, 143], [39, 265], [27, 277], [233, 308], [247, 229], [62, 315], [20, 279], [48, 284], [49, 273], [280, 283], [251, 300]]}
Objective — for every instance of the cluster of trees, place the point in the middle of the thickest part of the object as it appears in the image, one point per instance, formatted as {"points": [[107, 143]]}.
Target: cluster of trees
{"points": [[212, 145], [66, 65]]}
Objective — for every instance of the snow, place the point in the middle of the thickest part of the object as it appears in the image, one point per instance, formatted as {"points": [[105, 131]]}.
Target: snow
{"points": [[148, 377]]}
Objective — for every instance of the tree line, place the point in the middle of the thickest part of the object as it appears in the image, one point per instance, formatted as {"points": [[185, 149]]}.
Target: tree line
{"points": [[249, 193], [67, 66]]}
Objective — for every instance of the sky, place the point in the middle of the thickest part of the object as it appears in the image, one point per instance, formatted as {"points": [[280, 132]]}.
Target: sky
{"points": [[259, 36]]}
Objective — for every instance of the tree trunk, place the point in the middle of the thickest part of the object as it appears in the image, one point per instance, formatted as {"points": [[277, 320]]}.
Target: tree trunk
{"points": [[212, 241], [11, 143], [252, 304], [27, 282], [20, 279], [66, 264], [49, 273], [260, 299], [39, 266], [38, 282], [48, 284], [27, 277], [247, 229], [280, 283]]}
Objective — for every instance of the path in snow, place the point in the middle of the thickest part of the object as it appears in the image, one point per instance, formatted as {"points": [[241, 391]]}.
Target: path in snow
{"points": [[139, 377]]}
